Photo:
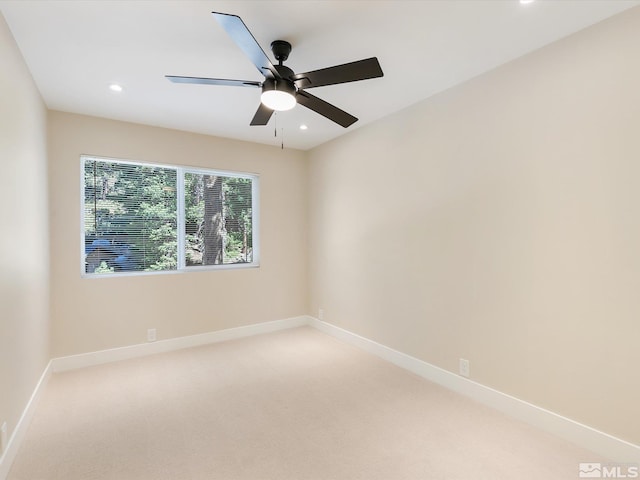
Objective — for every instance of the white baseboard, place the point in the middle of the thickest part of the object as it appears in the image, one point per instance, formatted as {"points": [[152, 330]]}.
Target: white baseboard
{"points": [[15, 440], [598, 442], [82, 360]]}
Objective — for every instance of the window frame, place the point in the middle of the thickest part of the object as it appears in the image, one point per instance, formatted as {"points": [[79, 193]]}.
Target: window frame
{"points": [[181, 170]]}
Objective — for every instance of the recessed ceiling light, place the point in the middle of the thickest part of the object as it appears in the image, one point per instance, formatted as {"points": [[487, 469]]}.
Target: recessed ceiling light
{"points": [[115, 87], [525, 2], [303, 127]]}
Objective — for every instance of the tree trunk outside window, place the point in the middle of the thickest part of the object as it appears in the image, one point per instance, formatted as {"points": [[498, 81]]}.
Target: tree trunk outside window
{"points": [[213, 221]]}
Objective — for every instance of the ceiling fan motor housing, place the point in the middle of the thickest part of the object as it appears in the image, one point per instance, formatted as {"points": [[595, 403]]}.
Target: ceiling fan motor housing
{"points": [[279, 93], [281, 85]]}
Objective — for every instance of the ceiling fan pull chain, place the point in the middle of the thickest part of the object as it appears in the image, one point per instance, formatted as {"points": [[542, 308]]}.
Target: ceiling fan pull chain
{"points": [[275, 128], [282, 138]]}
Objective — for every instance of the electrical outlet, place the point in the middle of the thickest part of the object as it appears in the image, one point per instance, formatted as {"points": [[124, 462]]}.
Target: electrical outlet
{"points": [[151, 335], [464, 367], [320, 314], [3, 437]]}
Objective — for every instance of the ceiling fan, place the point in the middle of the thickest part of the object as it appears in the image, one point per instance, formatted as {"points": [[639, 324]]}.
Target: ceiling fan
{"points": [[282, 89]]}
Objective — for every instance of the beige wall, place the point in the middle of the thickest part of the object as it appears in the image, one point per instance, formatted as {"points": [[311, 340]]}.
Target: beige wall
{"points": [[500, 222], [24, 242], [91, 314]]}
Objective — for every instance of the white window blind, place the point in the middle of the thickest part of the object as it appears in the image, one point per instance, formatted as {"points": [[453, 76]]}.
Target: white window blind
{"points": [[143, 218]]}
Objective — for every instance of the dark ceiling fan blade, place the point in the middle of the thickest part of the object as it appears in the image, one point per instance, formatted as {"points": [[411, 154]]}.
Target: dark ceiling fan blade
{"points": [[325, 109], [348, 72], [241, 35], [213, 81], [262, 116]]}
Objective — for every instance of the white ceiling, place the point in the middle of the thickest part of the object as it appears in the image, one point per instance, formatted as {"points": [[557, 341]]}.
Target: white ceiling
{"points": [[75, 49]]}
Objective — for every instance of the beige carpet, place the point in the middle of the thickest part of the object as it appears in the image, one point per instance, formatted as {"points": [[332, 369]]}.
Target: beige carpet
{"points": [[295, 404]]}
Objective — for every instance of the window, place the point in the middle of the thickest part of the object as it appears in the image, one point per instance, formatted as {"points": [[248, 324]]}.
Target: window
{"points": [[139, 217]]}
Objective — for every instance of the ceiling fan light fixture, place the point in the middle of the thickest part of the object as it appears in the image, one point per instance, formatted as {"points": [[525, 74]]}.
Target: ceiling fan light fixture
{"points": [[278, 95]]}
